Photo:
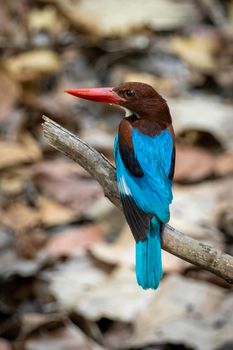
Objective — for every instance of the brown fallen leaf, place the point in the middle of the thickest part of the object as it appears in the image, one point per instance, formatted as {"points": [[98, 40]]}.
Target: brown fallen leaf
{"points": [[24, 221], [34, 322], [52, 213], [12, 264], [46, 19], [194, 208], [117, 334], [9, 94], [205, 114], [65, 338], [119, 298], [69, 241], [224, 164], [198, 51], [33, 64], [203, 275], [54, 102], [19, 217], [192, 163], [120, 253], [113, 17], [5, 344], [109, 218], [6, 239], [70, 279], [62, 166], [13, 33], [184, 311], [66, 187], [14, 181], [172, 263], [26, 150]]}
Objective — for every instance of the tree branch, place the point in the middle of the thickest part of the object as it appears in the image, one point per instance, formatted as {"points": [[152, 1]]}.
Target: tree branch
{"points": [[102, 170]]}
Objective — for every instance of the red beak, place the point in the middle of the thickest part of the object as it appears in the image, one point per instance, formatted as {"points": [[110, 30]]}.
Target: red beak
{"points": [[106, 95]]}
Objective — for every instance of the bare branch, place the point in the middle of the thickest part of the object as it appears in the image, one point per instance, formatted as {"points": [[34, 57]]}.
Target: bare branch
{"points": [[103, 171]]}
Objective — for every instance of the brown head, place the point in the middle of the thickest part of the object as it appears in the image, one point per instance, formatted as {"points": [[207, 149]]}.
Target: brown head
{"points": [[139, 98]]}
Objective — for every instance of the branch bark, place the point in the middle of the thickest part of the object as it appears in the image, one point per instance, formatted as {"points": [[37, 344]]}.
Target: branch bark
{"points": [[173, 241]]}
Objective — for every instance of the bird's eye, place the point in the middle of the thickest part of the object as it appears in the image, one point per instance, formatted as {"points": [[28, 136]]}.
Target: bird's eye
{"points": [[130, 93]]}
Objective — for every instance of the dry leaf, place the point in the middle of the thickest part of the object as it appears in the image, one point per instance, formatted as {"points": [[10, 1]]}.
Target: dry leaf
{"points": [[67, 338], [119, 298], [14, 181], [224, 164], [185, 311], [114, 17], [45, 19], [194, 208], [198, 51], [35, 322], [11, 264], [192, 163], [172, 263], [71, 279], [19, 217], [204, 114], [6, 239], [67, 188], [52, 213], [24, 221], [69, 241], [33, 64], [25, 151], [9, 94], [5, 345], [12, 32], [60, 166], [121, 252]]}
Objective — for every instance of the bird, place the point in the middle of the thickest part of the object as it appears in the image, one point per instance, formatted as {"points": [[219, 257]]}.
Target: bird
{"points": [[144, 152]]}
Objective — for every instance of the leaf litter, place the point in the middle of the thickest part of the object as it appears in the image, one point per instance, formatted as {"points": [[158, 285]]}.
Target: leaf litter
{"points": [[67, 276]]}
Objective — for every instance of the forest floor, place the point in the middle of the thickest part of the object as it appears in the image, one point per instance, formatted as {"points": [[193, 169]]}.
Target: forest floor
{"points": [[67, 276]]}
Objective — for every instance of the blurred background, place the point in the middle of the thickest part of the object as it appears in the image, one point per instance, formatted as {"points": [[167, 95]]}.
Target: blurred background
{"points": [[66, 255]]}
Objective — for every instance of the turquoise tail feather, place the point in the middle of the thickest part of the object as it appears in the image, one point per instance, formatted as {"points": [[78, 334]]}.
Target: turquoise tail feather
{"points": [[149, 258]]}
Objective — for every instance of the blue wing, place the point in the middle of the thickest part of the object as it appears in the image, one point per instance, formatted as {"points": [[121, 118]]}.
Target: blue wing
{"points": [[151, 193]]}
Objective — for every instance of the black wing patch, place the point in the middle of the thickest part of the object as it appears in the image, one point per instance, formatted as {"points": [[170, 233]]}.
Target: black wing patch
{"points": [[129, 159], [137, 219], [172, 167]]}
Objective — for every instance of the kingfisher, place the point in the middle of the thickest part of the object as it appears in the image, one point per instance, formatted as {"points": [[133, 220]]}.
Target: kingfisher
{"points": [[144, 152]]}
